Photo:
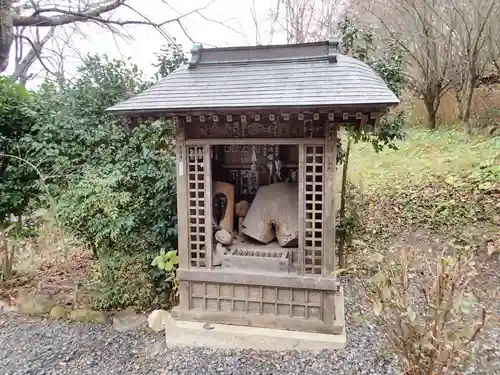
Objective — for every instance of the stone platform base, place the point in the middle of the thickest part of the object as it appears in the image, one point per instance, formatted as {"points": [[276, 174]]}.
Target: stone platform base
{"points": [[223, 336]]}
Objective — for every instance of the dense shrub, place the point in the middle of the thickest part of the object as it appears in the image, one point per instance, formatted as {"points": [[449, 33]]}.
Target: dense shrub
{"points": [[128, 204], [74, 131], [17, 178], [112, 188], [119, 281]]}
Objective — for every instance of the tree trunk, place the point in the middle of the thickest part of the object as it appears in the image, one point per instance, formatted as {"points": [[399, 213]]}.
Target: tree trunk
{"points": [[343, 193], [6, 257], [22, 67], [6, 33], [467, 110], [431, 113], [432, 101], [467, 104], [459, 112]]}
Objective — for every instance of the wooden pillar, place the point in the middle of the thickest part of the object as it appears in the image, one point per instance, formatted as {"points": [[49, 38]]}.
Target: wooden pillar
{"points": [[207, 166], [182, 206], [329, 212], [301, 177]]}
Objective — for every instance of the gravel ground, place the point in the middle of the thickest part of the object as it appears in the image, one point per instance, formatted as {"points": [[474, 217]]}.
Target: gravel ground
{"points": [[39, 347]]}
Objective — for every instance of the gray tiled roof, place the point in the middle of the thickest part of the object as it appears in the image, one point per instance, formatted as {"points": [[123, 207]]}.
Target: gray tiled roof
{"points": [[274, 76]]}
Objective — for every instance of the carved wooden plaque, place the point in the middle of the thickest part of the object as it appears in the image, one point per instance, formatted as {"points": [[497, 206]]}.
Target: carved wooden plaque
{"points": [[307, 127]]}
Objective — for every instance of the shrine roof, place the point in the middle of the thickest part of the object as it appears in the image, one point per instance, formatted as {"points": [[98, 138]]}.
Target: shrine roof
{"points": [[277, 76]]}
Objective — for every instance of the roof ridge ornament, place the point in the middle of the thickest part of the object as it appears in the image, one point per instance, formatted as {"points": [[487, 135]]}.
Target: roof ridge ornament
{"points": [[195, 55], [333, 48]]}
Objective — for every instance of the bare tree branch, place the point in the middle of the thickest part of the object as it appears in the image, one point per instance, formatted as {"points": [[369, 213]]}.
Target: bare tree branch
{"points": [[40, 14], [304, 20], [22, 66], [64, 16]]}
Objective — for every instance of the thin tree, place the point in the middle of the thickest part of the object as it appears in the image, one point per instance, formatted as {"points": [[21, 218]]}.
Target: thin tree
{"points": [[476, 19], [304, 20], [424, 30]]}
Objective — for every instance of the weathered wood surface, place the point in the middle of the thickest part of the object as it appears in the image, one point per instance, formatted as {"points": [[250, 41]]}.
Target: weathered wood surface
{"points": [[274, 214], [207, 166], [182, 196], [256, 126], [329, 212]]}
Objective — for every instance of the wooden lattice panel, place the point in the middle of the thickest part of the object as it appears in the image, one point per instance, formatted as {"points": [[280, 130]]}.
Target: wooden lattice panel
{"points": [[285, 302], [313, 210], [196, 204]]}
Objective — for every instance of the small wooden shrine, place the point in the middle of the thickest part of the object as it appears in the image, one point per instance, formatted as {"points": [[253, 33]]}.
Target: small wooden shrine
{"points": [[256, 141]]}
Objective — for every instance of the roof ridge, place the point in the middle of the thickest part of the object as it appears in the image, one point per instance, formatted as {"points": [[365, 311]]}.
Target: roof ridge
{"points": [[262, 54], [264, 61]]}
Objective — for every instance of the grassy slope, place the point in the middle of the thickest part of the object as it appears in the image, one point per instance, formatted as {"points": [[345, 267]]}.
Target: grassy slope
{"points": [[421, 155]]}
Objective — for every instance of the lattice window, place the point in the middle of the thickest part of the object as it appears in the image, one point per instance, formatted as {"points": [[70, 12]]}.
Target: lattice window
{"points": [[313, 228], [196, 204]]}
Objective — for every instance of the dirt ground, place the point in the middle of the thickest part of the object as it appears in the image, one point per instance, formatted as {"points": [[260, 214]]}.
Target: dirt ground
{"points": [[60, 277]]}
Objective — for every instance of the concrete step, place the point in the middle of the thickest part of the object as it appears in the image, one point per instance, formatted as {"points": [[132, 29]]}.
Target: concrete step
{"points": [[181, 333]]}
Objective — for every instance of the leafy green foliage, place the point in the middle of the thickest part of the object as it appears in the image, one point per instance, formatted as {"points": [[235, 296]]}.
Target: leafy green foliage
{"points": [[73, 129], [391, 66], [128, 204], [17, 179], [166, 261], [388, 60], [114, 188], [169, 59], [165, 266], [119, 281]]}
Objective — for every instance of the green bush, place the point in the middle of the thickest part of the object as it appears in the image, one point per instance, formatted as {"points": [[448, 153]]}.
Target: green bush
{"points": [[119, 281], [113, 188], [18, 179], [127, 205]]}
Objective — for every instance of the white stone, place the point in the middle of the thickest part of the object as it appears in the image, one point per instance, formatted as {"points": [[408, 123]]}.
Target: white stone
{"points": [[224, 237], [158, 320], [220, 251]]}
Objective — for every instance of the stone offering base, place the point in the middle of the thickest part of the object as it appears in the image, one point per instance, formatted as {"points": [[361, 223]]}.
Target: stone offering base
{"points": [[181, 333]]}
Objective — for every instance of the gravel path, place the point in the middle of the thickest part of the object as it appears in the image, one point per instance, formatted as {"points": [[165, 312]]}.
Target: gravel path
{"points": [[39, 347]]}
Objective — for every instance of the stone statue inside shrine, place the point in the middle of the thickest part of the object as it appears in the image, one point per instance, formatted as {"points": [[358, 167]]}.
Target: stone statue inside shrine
{"points": [[274, 169], [219, 208]]}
